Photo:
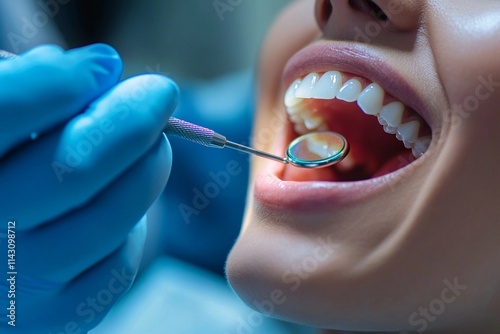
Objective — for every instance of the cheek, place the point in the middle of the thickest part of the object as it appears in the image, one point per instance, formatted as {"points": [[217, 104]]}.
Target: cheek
{"points": [[466, 49], [465, 42]]}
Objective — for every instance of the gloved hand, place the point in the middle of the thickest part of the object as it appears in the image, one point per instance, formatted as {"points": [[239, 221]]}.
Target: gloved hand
{"points": [[78, 191]]}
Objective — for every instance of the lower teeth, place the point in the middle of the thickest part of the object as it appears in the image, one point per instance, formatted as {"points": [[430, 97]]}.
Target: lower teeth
{"points": [[421, 146]]}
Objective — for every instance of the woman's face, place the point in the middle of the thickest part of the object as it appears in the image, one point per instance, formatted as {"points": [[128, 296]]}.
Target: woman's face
{"points": [[382, 241]]}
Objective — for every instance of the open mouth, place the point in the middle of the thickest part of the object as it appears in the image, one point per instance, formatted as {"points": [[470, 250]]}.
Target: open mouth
{"points": [[384, 135]]}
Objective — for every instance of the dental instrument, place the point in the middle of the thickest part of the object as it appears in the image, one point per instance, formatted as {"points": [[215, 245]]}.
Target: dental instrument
{"points": [[312, 150]]}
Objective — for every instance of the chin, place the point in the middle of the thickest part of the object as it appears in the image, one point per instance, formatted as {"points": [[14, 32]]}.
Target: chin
{"points": [[369, 244]]}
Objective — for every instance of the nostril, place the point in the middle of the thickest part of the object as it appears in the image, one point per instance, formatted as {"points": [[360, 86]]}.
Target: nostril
{"points": [[324, 12], [377, 11], [369, 7]]}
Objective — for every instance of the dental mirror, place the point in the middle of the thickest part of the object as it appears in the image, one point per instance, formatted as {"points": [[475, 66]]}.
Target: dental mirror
{"points": [[317, 149], [312, 150]]}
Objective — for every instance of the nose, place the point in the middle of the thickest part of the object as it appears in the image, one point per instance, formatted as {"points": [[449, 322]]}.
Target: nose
{"points": [[344, 18]]}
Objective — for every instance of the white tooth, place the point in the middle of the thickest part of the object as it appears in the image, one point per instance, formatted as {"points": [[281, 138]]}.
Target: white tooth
{"points": [[312, 122], [381, 121], [408, 145], [371, 99], [300, 129], [297, 118], [328, 86], [391, 114], [306, 86], [408, 133], [293, 110], [290, 99], [350, 91], [390, 130], [421, 146]]}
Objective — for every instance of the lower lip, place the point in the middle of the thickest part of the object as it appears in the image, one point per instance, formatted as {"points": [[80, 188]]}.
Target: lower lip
{"points": [[272, 192]]}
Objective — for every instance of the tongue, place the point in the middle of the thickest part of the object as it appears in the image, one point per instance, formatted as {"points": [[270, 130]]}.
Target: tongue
{"points": [[372, 151]]}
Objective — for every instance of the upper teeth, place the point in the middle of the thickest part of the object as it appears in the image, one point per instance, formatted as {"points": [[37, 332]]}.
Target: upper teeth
{"points": [[330, 85], [350, 91]]}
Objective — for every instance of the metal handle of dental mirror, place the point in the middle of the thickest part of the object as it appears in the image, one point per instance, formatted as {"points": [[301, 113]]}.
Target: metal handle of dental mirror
{"points": [[312, 150], [210, 138]]}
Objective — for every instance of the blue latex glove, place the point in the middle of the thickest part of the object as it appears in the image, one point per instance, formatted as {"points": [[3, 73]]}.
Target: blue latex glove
{"points": [[78, 191]]}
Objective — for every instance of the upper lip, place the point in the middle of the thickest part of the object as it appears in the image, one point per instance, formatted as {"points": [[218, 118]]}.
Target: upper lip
{"points": [[355, 59]]}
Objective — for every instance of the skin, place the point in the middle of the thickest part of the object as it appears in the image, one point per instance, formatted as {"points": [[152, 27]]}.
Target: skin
{"points": [[394, 254]]}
